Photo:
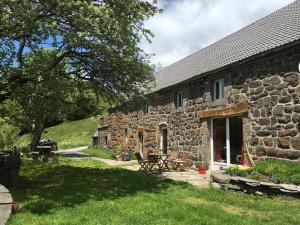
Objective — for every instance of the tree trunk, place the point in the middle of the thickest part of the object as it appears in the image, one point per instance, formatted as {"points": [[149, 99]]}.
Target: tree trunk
{"points": [[36, 136]]}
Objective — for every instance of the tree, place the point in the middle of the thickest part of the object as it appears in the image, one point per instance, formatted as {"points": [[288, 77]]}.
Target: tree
{"points": [[44, 98], [93, 43]]}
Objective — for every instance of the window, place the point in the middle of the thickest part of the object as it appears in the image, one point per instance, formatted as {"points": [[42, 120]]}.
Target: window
{"points": [[178, 99], [218, 89], [146, 108]]}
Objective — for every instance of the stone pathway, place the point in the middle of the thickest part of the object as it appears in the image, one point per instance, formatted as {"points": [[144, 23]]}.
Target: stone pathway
{"points": [[5, 205], [190, 176]]}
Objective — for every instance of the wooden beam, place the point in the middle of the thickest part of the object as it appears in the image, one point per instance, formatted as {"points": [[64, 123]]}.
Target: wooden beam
{"points": [[232, 110]]}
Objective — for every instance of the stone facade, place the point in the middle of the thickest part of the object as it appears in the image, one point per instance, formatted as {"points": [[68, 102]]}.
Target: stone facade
{"points": [[268, 82]]}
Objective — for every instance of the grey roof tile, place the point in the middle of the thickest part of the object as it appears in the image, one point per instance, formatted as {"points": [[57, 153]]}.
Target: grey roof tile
{"points": [[277, 29]]}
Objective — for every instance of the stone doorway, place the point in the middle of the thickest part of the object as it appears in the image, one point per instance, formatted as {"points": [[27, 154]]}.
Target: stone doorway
{"points": [[163, 138]]}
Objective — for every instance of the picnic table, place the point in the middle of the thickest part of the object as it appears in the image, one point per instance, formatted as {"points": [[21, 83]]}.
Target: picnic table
{"points": [[45, 152]]}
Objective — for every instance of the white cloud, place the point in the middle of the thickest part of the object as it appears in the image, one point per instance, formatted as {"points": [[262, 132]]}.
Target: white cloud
{"points": [[187, 26]]}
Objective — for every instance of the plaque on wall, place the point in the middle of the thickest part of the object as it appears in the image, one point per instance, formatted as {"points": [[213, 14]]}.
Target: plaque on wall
{"points": [[231, 110]]}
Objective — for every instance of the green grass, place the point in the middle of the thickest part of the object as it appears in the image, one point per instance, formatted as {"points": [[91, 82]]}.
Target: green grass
{"points": [[99, 152], [69, 134], [88, 192], [277, 171]]}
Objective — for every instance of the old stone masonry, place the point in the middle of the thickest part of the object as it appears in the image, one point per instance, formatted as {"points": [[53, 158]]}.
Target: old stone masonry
{"points": [[240, 95]]}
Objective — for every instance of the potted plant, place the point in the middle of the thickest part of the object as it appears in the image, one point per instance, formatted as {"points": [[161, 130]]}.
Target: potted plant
{"points": [[202, 167]]}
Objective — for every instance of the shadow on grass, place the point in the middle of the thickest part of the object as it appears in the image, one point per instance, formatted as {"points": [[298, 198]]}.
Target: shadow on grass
{"points": [[67, 186]]}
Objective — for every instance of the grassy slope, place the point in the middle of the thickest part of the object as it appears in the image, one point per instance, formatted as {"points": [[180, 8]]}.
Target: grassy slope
{"points": [[88, 192], [71, 134], [99, 152]]}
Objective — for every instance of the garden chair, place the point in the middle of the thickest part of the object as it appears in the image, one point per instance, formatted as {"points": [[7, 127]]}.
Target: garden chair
{"points": [[154, 160], [181, 163], [172, 157], [143, 163]]}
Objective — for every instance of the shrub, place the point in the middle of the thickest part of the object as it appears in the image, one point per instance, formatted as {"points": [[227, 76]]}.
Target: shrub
{"points": [[8, 135]]}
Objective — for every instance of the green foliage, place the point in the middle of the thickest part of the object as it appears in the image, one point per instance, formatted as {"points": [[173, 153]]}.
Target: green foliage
{"points": [[88, 192], [93, 41], [237, 171], [8, 135], [68, 134], [277, 171]]}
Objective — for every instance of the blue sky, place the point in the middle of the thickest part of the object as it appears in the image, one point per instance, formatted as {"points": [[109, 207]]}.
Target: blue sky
{"points": [[186, 26]]}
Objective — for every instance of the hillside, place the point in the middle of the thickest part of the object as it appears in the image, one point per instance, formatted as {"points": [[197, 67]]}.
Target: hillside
{"points": [[69, 134]]}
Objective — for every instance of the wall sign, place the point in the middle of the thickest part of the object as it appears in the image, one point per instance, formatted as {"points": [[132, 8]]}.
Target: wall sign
{"points": [[227, 111]]}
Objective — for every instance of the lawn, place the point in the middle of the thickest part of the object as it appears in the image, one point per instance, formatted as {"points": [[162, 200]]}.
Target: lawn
{"points": [[88, 192], [68, 134], [99, 152]]}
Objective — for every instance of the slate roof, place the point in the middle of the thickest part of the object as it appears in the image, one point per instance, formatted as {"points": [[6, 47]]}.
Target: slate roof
{"points": [[277, 29]]}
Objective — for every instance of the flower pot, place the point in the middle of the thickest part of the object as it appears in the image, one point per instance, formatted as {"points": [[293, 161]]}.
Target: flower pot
{"points": [[202, 170]]}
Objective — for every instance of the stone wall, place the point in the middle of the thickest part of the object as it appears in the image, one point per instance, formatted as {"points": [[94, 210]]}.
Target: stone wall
{"points": [[234, 183], [269, 83]]}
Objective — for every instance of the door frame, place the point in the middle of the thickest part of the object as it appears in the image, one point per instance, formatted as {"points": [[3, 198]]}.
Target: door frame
{"points": [[162, 127], [218, 165], [141, 143]]}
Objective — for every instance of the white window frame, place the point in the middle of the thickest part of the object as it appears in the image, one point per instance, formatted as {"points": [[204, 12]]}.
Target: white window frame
{"points": [[221, 89], [179, 102]]}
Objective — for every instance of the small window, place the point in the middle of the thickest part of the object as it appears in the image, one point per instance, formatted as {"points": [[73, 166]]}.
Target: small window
{"points": [[179, 99], [126, 135], [106, 141], [218, 89], [146, 108]]}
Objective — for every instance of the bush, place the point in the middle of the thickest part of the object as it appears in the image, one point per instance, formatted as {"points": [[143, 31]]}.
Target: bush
{"points": [[8, 135]]}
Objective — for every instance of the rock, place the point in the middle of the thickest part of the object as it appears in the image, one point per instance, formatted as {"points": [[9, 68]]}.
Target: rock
{"points": [[255, 84], [270, 185], [216, 185], [283, 143], [292, 80], [297, 108], [290, 187], [263, 133], [284, 119], [285, 99], [278, 110], [289, 132], [296, 143], [296, 118], [220, 178], [271, 81], [232, 187], [264, 121], [259, 193], [277, 152]]}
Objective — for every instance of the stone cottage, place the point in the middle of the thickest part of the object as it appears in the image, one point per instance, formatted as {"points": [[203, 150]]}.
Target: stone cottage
{"points": [[239, 95]]}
